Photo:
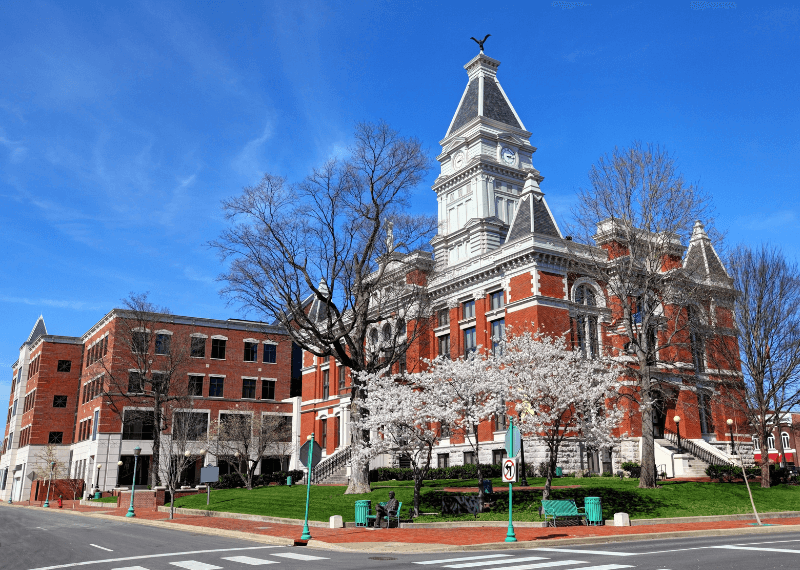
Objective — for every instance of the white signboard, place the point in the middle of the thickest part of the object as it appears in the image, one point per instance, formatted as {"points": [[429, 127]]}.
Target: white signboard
{"points": [[510, 470]]}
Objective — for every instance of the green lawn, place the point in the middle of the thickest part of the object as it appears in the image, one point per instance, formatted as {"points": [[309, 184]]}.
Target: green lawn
{"points": [[673, 499], [105, 500]]}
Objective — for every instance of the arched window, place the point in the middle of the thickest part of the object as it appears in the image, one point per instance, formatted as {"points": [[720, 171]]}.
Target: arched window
{"points": [[373, 336], [695, 339], [785, 441], [771, 442], [387, 332], [756, 443], [586, 321]]}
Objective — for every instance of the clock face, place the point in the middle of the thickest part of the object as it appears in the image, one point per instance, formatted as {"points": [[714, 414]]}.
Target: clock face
{"points": [[508, 155], [458, 160]]}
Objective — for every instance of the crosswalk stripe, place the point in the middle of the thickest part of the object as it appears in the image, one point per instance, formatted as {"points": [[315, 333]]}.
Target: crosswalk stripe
{"points": [[461, 559], [578, 551], [131, 568], [544, 564], [758, 548], [489, 562], [249, 560], [195, 565], [604, 567], [294, 556]]}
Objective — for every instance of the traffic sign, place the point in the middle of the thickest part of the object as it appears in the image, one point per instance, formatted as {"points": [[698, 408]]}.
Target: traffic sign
{"points": [[316, 454], [31, 475], [509, 470], [513, 441]]}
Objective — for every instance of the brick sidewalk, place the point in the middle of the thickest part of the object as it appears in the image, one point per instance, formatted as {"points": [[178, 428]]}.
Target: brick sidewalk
{"points": [[450, 536]]}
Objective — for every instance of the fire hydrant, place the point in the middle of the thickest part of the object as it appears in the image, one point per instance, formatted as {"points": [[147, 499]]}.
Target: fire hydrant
{"points": [[59, 501]]}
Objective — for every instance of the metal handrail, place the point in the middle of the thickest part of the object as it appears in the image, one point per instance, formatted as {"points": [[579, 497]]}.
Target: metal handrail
{"points": [[325, 469], [699, 452]]}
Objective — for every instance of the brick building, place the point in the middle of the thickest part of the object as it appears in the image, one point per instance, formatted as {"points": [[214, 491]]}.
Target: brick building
{"points": [[57, 396], [500, 260]]}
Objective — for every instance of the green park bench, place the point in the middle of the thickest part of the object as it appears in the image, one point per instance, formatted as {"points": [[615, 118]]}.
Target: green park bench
{"points": [[389, 516], [562, 509]]}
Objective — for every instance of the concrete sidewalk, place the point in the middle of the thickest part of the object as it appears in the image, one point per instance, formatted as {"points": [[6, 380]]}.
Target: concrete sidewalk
{"points": [[429, 540]]}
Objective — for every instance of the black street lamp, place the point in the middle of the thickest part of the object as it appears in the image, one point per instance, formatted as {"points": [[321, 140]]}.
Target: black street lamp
{"points": [[730, 428], [677, 420]]}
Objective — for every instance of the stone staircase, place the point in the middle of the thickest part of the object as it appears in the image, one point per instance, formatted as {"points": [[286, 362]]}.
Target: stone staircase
{"points": [[333, 470], [696, 467]]}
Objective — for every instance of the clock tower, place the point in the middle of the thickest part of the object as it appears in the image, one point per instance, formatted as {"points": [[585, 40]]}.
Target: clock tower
{"points": [[487, 177]]}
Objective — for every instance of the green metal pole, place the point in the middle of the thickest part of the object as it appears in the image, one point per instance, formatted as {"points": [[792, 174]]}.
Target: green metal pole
{"points": [[306, 533], [510, 536], [133, 486]]}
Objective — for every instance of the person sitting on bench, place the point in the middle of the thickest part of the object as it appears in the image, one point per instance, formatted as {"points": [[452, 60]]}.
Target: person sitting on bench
{"points": [[382, 511]]}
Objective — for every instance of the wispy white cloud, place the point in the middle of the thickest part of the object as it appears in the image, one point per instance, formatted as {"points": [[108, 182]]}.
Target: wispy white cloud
{"points": [[193, 274], [16, 150], [770, 221], [58, 303], [248, 161]]}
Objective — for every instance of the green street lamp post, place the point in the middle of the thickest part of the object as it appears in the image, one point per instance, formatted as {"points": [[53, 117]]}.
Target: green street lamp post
{"points": [[306, 533], [510, 536], [136, 451], [47, 499]]}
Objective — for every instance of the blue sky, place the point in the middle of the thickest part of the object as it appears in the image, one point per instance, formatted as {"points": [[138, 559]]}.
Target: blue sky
{"points": [[123, 125]]}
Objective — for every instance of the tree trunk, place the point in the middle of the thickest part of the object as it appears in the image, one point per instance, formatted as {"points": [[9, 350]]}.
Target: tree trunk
{"points": [[765, 482], [418, 477], [155, 458], [172, 503], [359, 471], [647, 480], [551, 469], [523, 480]]}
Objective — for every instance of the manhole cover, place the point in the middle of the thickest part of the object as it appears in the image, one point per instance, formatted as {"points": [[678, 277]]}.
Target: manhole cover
{"points": [[382, 558]]}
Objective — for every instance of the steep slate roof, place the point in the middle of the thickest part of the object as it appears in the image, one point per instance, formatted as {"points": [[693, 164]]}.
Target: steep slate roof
{"points": [[701, 257], [541, 222], [39, 329]]}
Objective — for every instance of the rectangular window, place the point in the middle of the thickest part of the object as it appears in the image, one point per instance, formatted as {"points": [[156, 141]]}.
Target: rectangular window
{"points": [[195, 385], [443, 460], [325, 384], [249, 388], [135, 384], [324, 439], [14, 408], [270, 353], [162, 343], [193, 426], [136, 424], [497, 300], [470, 341], [468, 310], [342, 378], [498, 335], [218, 348], [55, 437], [443, 317], [215, 386], [444, 345], [64, 365], [95, 424], [469, 458], [198, 347], [268, 389], [498, 455], [251, 352], [500, 421], [139, 342]]}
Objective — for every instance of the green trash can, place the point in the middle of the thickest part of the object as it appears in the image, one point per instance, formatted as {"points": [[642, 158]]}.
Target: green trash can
{"points": [[559, 472], [594, 511], [362, 510], [98, 495]]}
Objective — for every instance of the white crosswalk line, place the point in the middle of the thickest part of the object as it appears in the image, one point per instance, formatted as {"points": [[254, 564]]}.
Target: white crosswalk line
{"points": [[195, 565], [604, 567], [294, 556], [757, 548], [579, 551], [544, 564], [485, 556], [131, 568], [249, 560], [489, 562]]}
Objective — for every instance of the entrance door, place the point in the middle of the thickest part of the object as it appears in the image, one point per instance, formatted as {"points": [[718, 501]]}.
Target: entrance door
{"points": [[659, 415], [16, 488]]}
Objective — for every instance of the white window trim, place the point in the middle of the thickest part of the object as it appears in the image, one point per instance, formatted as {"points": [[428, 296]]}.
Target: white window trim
{"points": [[218, 337], [253, 340], [270, 342], [164, 331], [198, 335]]}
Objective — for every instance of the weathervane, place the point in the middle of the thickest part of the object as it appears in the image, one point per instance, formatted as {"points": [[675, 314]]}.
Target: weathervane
{"points": [[481, 42]]}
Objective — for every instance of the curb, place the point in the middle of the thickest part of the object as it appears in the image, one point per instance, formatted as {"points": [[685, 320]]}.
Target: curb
{"points": [[244, 517]]}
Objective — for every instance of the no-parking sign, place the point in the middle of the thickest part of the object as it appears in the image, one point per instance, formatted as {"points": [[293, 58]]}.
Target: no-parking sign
{"points": [[510, 470]]}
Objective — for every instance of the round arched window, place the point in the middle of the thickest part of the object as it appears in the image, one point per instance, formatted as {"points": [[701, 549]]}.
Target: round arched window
{"points": [[373, 336], [387, 332], [586, 321]]}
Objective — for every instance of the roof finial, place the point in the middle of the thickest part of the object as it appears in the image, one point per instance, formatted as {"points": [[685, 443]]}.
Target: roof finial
{"points": [[481, 42]]}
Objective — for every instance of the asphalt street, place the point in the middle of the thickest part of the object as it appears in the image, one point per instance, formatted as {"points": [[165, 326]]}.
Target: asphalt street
{"points": [[41, 540]]}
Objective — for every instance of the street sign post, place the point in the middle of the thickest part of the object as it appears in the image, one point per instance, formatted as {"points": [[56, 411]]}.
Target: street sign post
{"points": [[513, 444], [209, 474], [510, 470]]}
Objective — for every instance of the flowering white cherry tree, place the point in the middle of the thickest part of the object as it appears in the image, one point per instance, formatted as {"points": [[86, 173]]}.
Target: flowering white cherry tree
{"points": [[405, 420], [559, 393], [466, 392]]}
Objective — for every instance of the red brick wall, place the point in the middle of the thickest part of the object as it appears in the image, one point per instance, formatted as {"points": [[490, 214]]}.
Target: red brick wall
{"points": [[58, 487], [520, 287], [551, 285]]}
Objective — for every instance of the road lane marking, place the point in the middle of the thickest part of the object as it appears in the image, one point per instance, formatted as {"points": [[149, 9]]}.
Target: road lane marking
{"points": [[757, 549], [294, 556], [195, 565], [578, 551], [489, 562], [250, 560], [462, 559], [101, 547], [146, 556], [544, 564], [131, 568], [604, 567]]}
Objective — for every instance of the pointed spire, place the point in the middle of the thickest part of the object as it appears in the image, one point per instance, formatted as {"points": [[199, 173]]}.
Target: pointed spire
{"points": [[39, 329], [701, 257], [533, 214]]}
